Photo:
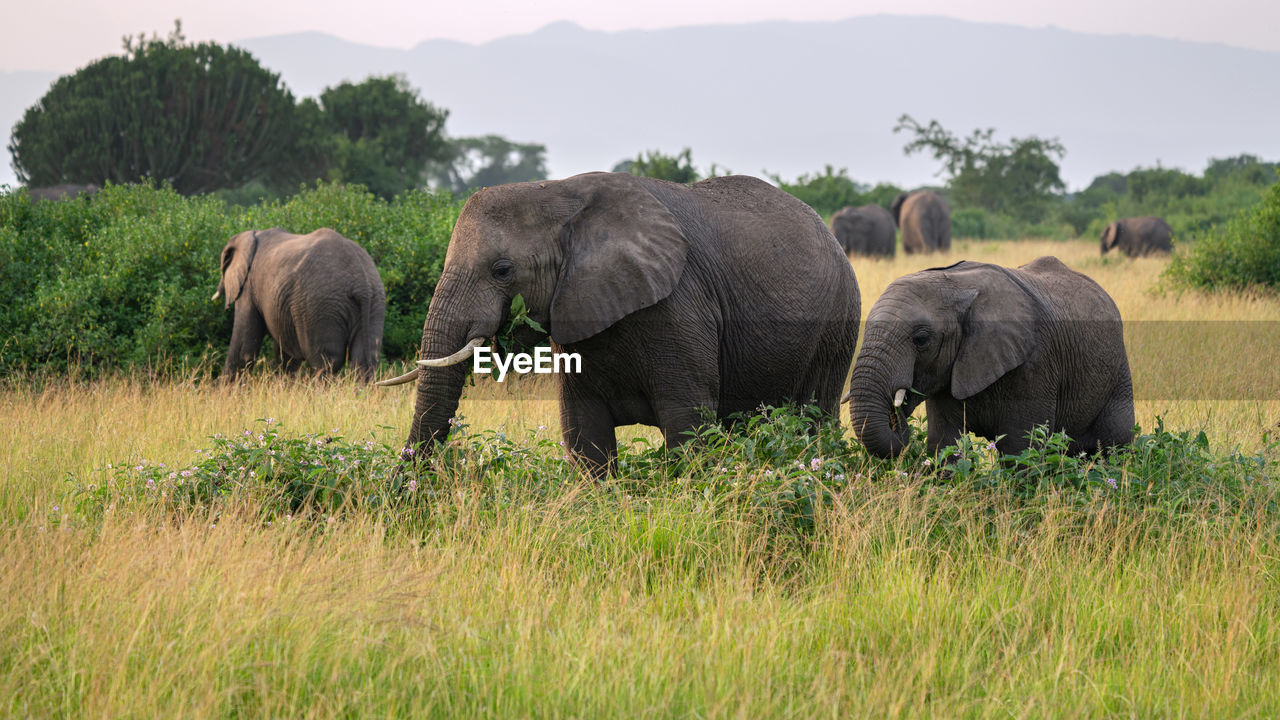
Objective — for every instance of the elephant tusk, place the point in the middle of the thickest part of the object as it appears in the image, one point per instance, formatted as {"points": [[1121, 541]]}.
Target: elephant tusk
{"points": [[400, 379], [215, 295], [899, 396], [847, 396], [455, 358]]}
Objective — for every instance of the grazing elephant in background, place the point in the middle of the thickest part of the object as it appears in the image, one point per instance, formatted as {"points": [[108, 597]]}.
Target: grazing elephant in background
{"points": [[721, 296], [318, 295], [865, 231], [925, 220], [995, 351], [1137, 237]]}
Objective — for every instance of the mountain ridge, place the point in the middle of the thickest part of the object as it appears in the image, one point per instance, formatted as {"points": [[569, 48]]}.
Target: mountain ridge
{"points": [[789, 97]]}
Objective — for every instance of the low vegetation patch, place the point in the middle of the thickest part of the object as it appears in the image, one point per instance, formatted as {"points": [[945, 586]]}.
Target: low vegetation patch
{"points": [[122, 280], [1244, 254]]}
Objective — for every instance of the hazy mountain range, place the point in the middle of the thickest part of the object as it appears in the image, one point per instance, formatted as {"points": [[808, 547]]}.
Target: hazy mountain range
{"points": [[788, 98]]}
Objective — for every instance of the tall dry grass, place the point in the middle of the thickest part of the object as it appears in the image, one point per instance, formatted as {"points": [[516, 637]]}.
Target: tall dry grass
{"points": [[906, 599]]}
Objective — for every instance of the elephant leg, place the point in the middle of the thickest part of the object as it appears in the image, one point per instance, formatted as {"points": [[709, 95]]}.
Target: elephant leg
{"points": [[946, 424], [587, 428], [328, 352], [823, 381], [363, 350], [1017, 423], [1113, 427], [290, 363], [247, 333]]}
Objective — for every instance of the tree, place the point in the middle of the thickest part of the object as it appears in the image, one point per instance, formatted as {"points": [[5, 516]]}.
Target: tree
{"points": [[200, 117], [477, 162], [832, 190], [383, 134], [1019, 178], [676, 168]]}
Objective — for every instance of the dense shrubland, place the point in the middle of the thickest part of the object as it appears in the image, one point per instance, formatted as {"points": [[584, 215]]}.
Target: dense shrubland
{"points": [[122, 279], [1244, 253]]}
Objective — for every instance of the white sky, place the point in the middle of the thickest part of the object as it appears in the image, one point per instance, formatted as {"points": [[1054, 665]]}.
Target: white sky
{"points": [[65, 34]]}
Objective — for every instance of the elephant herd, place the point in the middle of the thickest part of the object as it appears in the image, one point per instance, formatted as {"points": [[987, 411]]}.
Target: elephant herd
{"points": [[925, 220], [714, 297]]}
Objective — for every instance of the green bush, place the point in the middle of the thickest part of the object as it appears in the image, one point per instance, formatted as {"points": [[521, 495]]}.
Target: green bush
{"points": [[122, 280], [1244, 254]]}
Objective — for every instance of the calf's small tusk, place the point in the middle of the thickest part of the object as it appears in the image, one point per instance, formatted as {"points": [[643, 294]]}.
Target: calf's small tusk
{"points": [[455, 358], [899, 397]]}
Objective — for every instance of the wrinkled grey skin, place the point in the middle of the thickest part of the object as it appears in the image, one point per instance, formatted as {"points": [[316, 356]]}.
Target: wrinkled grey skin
{"points": [[318, 295], [925, 220], [866, 231], [1137, 237], [723, 295], [995, 351], [56, 193]]}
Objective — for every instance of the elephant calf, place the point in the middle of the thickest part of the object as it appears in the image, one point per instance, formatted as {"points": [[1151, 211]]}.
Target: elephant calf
{"points": [[995, 351], [865, 231], [1137, 237], [318, 295]]}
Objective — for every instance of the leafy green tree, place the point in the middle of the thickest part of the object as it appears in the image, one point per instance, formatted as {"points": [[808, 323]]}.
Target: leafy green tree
{"points": [[200, 117], [825, 192], [1244, 253], [676, 168], [381, 134], [829, 191], [1019, 178], [1245, 169], [476, 162]]}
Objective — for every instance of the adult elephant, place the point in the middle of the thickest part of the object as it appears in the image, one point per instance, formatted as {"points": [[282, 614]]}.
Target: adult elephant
{"points": [[1139, 236], [995, 351], [865, 231], [721, 295], [318, 295], [925, 220]]}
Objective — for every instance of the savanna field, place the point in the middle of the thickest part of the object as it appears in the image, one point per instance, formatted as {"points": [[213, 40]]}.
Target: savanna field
{"points": [[175, 547]]}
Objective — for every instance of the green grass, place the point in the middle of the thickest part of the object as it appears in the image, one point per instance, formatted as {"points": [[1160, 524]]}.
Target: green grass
{"points": [[741, 579]]}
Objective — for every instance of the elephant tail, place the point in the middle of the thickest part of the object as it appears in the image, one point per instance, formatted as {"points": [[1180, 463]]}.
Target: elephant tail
{"points": [[365, 343]]}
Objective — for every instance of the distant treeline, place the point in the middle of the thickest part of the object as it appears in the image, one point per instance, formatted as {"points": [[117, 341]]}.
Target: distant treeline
{"points": [[207, 118]]}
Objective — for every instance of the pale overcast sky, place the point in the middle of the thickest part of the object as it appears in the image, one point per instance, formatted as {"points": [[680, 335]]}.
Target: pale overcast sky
{"points": [[65, 34]]}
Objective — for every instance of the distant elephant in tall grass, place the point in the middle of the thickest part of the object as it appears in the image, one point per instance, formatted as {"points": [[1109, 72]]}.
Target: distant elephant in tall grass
{"points": [[1138, 237], [318, 295], [865, 231], [925, 220]]}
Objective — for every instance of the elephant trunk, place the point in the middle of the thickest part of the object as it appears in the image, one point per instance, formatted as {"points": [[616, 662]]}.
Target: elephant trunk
{"points": [[880, 406], [448, 327]]}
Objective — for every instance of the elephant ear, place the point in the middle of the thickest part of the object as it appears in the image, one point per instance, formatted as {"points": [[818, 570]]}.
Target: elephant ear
{"points": [[1110, 236], [999, 316], [896, 208], [624, 251], [237, 256]]}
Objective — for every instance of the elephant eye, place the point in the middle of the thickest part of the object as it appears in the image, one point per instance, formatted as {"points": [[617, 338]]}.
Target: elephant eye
{"points": [[920, 338], [502, 270]]}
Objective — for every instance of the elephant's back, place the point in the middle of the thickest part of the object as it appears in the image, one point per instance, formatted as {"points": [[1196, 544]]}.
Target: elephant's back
{"points": [[323, 252], [1077, 297], [1149, 234]]}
